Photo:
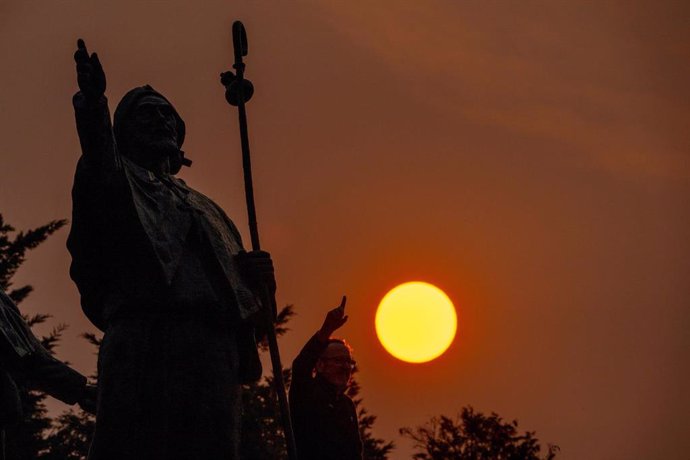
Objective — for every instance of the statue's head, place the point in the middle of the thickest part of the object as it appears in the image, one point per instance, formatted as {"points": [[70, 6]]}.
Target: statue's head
{"points": [[335, 364], [148, 129]]}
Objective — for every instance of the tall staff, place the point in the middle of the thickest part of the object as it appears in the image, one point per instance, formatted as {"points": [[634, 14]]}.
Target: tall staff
{"points": [[238, 92]]}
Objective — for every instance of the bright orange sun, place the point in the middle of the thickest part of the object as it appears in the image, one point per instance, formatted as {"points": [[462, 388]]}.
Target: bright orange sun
{"points": [[416, 322]]}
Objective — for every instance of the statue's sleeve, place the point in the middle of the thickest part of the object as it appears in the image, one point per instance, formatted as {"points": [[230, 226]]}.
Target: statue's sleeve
{"points": [[99, 152], [22, 354], [50, 375], [15, 338], [99, 171]]}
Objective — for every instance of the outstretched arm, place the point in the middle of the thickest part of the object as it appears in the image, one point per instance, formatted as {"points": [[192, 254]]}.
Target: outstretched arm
{"points": [[21, 354], [92, 115], [46, 373]]}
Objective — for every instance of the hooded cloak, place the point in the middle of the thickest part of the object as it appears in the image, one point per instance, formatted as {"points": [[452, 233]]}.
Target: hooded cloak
{"points": [[125, 111]]}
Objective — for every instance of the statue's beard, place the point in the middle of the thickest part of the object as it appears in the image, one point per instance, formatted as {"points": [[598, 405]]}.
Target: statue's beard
{"points": [[151, 153], [162, 148]]}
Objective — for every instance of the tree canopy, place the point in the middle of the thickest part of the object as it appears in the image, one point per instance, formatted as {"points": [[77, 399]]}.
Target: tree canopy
{"points": [[26, 441], [472, 435]]}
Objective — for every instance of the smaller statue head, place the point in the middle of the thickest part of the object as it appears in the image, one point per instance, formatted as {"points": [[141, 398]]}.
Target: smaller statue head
{"points": [[335, 365], [149, 131]]}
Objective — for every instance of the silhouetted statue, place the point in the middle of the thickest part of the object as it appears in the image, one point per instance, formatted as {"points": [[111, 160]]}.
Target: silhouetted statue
{"points": [[160, 268], [323, 416], [24, 359]]}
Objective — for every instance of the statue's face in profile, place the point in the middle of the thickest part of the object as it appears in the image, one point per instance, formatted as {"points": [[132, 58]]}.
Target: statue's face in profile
{"points": [[153, 129]]}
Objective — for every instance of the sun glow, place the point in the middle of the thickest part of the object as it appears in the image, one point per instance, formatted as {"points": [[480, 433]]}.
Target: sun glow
{"points": [[416, 322]]}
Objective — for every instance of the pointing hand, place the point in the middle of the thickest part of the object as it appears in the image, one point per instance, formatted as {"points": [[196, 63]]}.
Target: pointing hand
{"points": [[90, 75], [334, 319]]}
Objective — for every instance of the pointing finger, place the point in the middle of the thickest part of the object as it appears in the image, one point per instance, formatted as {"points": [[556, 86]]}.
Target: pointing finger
{"points": [[81, 55], [81, 46], [343, 302]]}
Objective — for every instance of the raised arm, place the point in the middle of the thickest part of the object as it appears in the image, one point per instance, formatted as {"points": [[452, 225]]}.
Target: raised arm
{"points": [[97, 177], [304, 363], [99, 153]]}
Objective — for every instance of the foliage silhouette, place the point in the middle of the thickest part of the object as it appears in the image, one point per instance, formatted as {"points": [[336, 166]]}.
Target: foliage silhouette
{"points": [[372, 448], [25, 441], [69, 436], [13, 253], [475, 436]]}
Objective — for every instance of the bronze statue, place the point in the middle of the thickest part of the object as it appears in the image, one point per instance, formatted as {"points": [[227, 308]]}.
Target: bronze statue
{"points": [[161, 269]]}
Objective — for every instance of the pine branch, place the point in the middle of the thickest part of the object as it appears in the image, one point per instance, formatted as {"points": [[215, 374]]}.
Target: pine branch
{"points": [[38, 318], [19, 294], [13, 251], [93, 339], [51, 340]]}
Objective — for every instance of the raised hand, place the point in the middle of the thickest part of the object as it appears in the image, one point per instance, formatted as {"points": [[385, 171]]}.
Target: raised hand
{"points": [[90, 75], [334, 319]]}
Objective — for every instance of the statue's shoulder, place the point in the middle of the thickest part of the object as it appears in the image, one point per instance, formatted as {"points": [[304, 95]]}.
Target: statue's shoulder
{"points": [[214, 211]]}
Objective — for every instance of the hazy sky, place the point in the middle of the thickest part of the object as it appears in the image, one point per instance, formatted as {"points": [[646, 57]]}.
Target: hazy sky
{"points": [[529, 158]]}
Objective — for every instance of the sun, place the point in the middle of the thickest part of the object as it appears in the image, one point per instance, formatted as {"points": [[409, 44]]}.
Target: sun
{"points": [[416, 322]]}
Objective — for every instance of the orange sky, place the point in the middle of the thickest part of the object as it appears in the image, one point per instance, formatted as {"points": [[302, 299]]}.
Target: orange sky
{"points": [[530, 158]]}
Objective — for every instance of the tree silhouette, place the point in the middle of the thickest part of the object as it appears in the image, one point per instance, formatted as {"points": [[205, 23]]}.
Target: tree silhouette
{"points": [[13, 253], [25, 441], [474, 436], [70, 434], [372, 448]]}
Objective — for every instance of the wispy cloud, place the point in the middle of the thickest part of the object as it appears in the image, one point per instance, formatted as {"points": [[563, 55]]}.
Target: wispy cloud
{"points": [[576, 75]]}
